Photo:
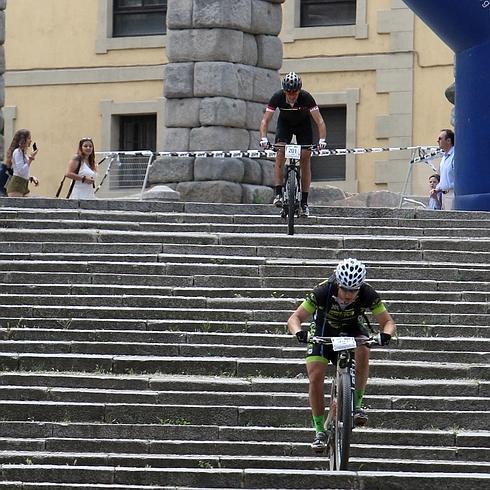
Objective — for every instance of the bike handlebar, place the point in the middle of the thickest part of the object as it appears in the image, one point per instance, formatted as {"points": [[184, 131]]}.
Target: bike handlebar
{"points": [[375, 340], [275, 146]]}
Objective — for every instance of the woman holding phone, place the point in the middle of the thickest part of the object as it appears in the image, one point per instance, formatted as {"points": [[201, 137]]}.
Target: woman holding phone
{"points": [[19, 160]]}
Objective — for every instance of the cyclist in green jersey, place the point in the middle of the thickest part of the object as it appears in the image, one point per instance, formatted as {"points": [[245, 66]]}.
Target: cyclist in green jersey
{"points": [[338, 305]]}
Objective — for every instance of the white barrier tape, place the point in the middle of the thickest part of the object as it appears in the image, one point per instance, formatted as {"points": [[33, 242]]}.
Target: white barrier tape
{"points": [[271, 153], [428, 156]]}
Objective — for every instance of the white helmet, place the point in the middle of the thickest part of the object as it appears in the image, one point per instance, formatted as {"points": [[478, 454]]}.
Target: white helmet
{"points": [[350, 274]]}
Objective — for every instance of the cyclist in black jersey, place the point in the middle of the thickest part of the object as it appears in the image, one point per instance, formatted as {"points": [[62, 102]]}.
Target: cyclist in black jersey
{"points": [[338, 305], [296, 109]]}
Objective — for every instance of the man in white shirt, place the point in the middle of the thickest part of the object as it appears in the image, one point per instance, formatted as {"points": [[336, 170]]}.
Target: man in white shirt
{"points": [[446, 168]]}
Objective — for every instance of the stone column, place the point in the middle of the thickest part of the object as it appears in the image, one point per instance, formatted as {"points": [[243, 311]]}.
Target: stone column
{"points": [[3, 6], [224, 57]]}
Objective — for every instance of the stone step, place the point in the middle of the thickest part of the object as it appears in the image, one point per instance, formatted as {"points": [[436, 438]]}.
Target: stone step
{"points": [[62, 336], [107, 205], [238, 366], [146, 413], [268, 287], [203, 316], [134, 348], [202, 455], [407, 325], [14, 451], [271, 268], [235, 398], [264, 244], [312, 226], [17, 430], [240, 304], [397, 219], [216, 384], [384, 288], [471, 257], [311, 248], [198, 280], [248, 478]]}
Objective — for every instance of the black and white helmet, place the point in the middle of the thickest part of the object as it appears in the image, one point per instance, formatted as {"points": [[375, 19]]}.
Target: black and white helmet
{"points": [[350, 274], [291, 82]]}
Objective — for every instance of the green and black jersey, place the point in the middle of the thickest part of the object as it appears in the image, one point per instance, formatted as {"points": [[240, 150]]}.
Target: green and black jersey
{"points": [[332, 319], [321, 303]]}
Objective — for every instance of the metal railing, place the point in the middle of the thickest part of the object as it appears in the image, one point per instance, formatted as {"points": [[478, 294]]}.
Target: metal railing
{"points": [[123, 173]]}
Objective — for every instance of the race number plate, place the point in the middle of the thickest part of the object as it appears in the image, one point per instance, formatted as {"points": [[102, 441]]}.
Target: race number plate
{"points": [[293, 151], [343, 343]]}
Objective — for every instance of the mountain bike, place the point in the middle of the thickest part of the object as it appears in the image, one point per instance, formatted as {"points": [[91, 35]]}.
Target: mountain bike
{"points": [[291, 195], [340, 419]]}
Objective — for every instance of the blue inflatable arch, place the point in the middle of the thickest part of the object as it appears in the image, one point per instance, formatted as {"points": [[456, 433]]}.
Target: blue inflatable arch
{"points": [[464, 25]]}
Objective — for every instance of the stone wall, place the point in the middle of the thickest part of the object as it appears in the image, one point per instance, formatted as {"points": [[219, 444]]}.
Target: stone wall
{"points": [[224, 57], [3, 5]]}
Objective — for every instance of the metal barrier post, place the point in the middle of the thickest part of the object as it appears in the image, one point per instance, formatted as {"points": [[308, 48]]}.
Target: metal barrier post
{"points": [[422, 158], [147, 173]]}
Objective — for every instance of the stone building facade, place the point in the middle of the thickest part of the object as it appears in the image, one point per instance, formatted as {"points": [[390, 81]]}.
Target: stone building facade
{"points": [[224, 57]]}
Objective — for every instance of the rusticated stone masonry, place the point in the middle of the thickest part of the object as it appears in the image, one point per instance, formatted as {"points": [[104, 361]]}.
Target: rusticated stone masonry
{"points": [[3, 5], [224, 57]]}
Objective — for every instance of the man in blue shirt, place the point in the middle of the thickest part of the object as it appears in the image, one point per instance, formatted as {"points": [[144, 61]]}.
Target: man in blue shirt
{"points": [[446, 169]]}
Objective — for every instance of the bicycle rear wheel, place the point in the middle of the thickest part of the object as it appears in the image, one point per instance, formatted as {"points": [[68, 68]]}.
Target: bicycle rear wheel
{"points": [[291, 193], [343, 421]]}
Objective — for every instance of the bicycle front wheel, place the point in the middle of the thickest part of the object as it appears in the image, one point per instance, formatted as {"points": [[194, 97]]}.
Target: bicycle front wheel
{"points": [[343, 421], [291, 192]]}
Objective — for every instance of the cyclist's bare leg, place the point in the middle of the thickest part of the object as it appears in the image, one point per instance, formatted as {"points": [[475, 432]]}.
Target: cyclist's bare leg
{"points": [[362, 367], [362, 375], [279, 165], [305, 162], [316, 375]]}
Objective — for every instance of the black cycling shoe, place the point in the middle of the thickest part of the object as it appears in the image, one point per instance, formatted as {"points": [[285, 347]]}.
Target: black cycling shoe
{"points": [[360, 418], [319, 443]]}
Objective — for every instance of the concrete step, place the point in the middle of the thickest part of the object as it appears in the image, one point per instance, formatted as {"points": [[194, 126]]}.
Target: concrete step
{"points": [[313, 225], [236, 478], [239, 366], [269, 287], [396, 218], [278, 304], [296, 294], [134, 347], [318, 247], [215, 384], [17, 430], [291, 458], [20, 336], [106, 205], [434, 402], [148, 413], [407, 325]]}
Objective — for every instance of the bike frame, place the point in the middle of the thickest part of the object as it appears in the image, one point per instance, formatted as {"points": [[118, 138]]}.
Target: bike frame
{"points": [[340, 419], [291, 193], [292, 183]]}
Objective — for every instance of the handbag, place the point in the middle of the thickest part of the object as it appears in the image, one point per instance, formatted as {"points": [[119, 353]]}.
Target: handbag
{"points": [[5, 174], [58, 192]]}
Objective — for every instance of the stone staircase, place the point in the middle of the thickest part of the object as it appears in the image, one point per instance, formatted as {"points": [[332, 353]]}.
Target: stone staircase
{"points": [[144, 347]]}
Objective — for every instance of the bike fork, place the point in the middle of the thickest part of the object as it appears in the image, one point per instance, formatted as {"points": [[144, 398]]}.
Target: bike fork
{"points": [[352, 372]]}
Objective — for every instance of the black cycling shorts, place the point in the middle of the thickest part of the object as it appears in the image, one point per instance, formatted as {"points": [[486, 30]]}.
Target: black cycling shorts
{"points": [[303, 132], [324, 353]]}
